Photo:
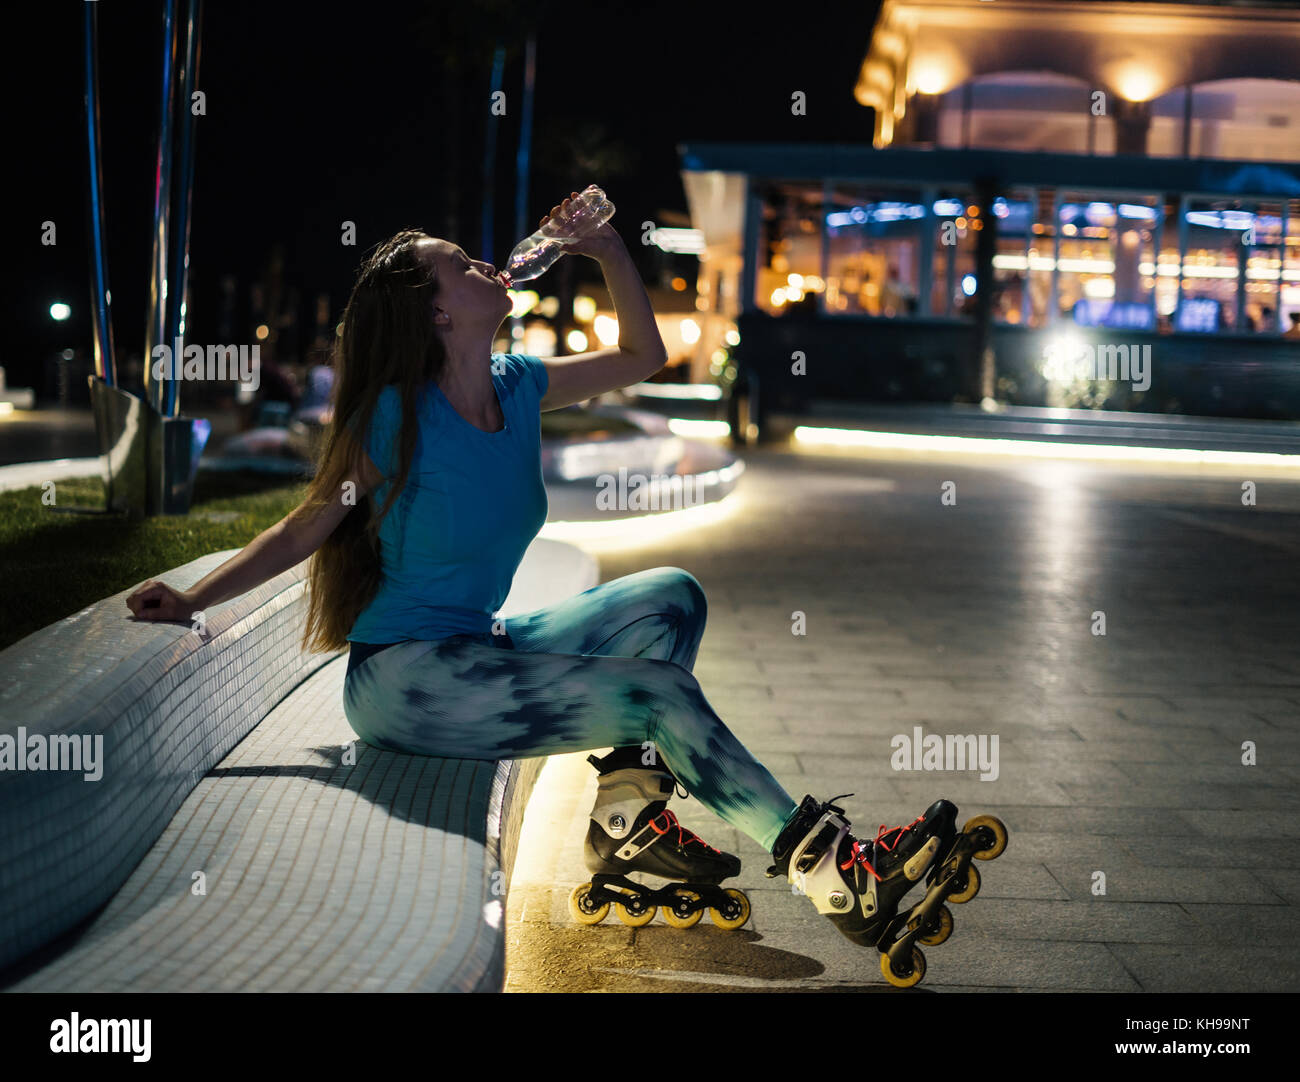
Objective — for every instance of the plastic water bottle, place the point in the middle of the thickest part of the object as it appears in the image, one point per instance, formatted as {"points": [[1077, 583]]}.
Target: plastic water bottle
{"points": [[534, 255]]}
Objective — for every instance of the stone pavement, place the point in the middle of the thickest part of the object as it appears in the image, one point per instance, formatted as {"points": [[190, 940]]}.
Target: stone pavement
{"points": [[1118, 754]]}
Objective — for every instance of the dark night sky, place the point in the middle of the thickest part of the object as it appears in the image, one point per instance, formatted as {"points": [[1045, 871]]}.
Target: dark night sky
{"points": [[319, 113]]}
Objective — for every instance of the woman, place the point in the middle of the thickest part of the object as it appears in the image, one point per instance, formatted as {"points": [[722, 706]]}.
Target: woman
{"points": [[417, 531]]}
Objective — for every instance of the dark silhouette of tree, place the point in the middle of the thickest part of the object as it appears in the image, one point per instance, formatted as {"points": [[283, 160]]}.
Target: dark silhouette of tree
{"points": [[571, 154]]}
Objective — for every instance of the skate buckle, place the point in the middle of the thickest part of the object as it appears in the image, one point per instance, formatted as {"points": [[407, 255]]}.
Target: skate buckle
{"points": [[921, 859]]}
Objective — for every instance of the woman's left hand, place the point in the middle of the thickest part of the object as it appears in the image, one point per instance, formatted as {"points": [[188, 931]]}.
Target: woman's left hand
{"points": [[599, 243]]}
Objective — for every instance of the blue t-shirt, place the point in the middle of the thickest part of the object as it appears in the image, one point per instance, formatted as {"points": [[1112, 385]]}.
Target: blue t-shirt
{"points": [[472, 504]]}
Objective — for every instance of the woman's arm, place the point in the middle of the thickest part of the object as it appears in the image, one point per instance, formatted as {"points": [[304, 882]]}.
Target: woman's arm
{"points": [[275, 549], [640, 351]]}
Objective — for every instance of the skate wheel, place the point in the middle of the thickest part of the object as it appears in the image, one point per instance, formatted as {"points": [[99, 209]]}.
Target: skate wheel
{"points": [[900, 980], [580, 905], [737, 919], [995, 830], [940, 928], [634, 916], [971, 888], [680, 920]]}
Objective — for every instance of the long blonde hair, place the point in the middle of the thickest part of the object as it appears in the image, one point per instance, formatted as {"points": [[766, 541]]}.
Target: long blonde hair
{"points": [[388, 338]]}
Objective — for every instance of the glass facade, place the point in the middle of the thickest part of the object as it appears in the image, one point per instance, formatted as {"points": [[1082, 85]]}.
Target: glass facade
{"points": [[1196, 264], [874, 242]]}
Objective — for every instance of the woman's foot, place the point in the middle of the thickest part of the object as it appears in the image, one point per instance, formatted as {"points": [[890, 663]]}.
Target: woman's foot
{"points": [[859, 884]]}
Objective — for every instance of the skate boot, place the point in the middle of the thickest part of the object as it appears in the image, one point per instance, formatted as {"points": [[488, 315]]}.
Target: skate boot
{"points": [[631, 830], [860, 885]]}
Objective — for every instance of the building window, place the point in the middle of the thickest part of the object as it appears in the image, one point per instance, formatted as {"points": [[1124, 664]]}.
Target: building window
{"points": [[1263, 285], [874, 240], [1233, 264], [1024, 110], [788, 276], [1106, 265], [1020, 296], [952, 278]]}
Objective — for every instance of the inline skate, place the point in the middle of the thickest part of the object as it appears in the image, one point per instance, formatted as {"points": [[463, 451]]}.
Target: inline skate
{"points": [[631, 830], [860, 885]]}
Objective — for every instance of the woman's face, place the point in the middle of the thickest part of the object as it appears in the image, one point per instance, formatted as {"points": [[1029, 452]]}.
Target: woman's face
{"points": [[467, 288]]}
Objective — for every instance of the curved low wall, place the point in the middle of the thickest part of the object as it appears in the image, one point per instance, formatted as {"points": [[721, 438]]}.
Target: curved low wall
{"points": [[167, 708]]}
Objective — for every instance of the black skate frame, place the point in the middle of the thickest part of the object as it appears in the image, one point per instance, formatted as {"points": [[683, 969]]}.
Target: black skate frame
{"points": [[636, 898], [951, 876]]}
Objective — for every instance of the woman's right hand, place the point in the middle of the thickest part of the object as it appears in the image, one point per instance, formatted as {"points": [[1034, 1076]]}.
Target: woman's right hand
{"points": [[153, 600]]}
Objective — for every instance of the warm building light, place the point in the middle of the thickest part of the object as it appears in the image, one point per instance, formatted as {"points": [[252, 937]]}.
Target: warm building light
{"points": [[690, 331], [1136, 81], [606, 328], [576, 341], [262, 331], [932, 77], [913, 443], [523, 301], [584, 308]]}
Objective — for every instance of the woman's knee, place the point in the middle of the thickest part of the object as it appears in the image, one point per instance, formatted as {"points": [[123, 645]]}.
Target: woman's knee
{"points": [[683, 592]]}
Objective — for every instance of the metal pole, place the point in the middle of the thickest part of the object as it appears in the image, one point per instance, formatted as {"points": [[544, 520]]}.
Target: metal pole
{"points": [[178, 266], [824, 230], [928, 238], [1157, 234], [1054, 297], [522, 160], [155, 329], [100, 304], [1182, 256], [490, 157]]}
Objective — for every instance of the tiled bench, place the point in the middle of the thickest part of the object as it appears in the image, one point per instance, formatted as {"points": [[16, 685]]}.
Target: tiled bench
{"points": [[231, 844]]}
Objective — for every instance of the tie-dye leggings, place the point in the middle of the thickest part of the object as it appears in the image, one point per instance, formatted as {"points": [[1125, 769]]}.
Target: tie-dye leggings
{"points": [[609, 667]]}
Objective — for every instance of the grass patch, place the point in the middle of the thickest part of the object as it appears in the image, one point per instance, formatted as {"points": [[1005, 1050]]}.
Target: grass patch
{"points": [[58, 562]]}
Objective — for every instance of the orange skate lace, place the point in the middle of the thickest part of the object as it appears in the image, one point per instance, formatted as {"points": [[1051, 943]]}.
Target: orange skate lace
{"points": [[858, 853], [684, 836]]}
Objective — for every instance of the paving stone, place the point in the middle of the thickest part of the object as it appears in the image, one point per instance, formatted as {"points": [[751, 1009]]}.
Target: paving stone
{"points": [[1096, 920], [1119, 754], [1208, 967]]}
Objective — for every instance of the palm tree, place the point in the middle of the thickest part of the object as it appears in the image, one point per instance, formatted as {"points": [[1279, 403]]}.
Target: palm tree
{"points": [[459, 41]]}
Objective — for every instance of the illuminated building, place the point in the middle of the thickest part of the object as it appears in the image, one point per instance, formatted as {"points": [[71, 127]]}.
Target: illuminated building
{"points": [[1038, 175]]}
